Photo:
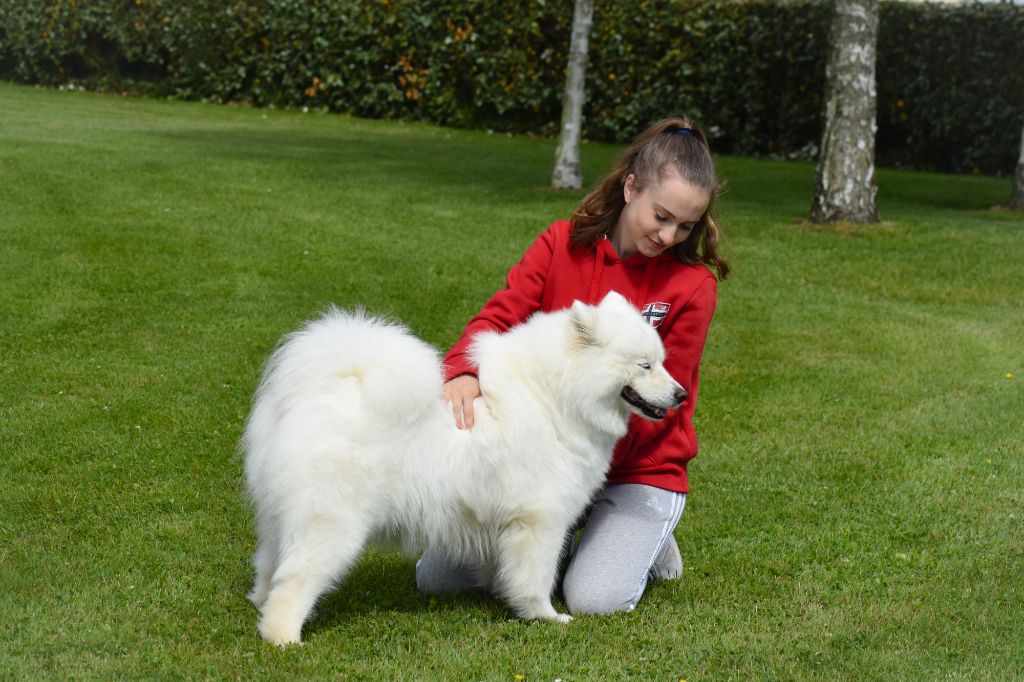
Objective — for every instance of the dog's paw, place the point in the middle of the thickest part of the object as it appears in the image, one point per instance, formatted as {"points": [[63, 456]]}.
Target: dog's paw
{"points": [[278, 636], [562, 618]]}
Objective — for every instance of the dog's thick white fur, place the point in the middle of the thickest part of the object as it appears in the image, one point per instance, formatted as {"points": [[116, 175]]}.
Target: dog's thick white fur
{"points": [[349, 439]]}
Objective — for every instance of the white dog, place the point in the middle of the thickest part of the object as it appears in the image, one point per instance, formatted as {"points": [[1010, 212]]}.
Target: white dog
{"points": [[349, 439]]}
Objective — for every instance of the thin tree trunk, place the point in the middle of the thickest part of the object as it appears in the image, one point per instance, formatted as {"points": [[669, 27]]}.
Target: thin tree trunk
{"points": [[567, 157], [1017, 197], [845, 187]]}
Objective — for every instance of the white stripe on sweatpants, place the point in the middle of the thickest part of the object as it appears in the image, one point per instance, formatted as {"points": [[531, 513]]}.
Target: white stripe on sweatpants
{"points": [[678, 502]]}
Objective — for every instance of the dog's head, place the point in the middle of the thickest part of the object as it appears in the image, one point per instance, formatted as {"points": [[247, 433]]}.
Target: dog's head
{"points": [[629, 354]]}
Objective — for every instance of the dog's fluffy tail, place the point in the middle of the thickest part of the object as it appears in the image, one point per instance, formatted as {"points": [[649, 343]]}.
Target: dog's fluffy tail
{"points": [[344, 353]]}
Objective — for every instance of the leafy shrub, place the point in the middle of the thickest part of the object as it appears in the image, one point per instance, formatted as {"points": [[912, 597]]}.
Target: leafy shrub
{"points": [[951, 93]]}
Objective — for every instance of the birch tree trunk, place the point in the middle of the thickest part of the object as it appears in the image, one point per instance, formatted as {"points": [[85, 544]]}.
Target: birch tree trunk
{"points": [[567, 157], [845, 187], [1017, 197]]}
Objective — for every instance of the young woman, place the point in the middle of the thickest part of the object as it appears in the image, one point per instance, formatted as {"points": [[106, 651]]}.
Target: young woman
{"points": [[648, 232]]}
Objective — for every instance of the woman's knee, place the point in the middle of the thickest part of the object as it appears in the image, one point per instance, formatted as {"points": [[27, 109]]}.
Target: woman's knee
{"points": [[584, 597]]}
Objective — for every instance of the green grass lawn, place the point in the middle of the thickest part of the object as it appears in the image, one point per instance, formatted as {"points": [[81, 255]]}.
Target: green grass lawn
{"points": [[857, 510]]}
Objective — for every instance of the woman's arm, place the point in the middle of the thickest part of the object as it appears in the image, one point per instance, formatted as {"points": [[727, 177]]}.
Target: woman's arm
{"points": [[520, 298], [684, 342], [508, 307]]}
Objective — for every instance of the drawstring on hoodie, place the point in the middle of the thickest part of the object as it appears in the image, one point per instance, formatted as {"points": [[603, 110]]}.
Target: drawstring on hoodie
{"points": [[595, 280], [645, 285]]}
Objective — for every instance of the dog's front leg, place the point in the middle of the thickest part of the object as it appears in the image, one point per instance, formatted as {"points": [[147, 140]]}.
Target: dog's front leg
{"points": [[528, 554]]}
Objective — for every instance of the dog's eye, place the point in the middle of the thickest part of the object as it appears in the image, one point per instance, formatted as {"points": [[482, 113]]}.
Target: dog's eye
{"points": [[644, 365]]}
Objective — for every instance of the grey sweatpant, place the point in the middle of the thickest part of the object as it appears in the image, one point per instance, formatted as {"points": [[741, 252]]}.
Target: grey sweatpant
{"points": [[627, 541]]}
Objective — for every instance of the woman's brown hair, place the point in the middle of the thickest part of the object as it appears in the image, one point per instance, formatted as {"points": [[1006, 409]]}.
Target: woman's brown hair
{"points": [[672, 143]]}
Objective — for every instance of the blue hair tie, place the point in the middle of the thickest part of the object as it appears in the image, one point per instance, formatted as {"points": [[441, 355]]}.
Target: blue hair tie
{"points": [[683, 131]]}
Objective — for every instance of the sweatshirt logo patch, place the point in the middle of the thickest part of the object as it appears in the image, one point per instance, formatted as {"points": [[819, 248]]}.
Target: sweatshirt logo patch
{"points": [[654, 313]]}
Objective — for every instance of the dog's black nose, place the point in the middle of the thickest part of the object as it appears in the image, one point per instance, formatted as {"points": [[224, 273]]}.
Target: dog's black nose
{"points": [[680, 395]]}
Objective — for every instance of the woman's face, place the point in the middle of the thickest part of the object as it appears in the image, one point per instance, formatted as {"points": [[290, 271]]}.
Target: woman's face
{"points": [[658, 216]]}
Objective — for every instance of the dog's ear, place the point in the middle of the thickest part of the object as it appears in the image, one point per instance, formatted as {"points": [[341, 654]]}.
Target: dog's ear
{"points": [[614, 299], [584, 323]]}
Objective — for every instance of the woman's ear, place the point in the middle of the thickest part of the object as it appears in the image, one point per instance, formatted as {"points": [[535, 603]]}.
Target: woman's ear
{"points": [[629, 188]]}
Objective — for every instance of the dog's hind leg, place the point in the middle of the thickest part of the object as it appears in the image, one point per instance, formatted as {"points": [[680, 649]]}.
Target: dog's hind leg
{"points": [[321, 554], [528, 554]]}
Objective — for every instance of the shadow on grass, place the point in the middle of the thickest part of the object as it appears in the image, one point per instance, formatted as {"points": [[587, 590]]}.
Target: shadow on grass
{"points": [[849, 229], [386, 582], [460, 164], [936, 190]]}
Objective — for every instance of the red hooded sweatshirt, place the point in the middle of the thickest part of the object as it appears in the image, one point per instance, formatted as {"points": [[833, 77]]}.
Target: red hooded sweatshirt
{"points": [[677, 299]]}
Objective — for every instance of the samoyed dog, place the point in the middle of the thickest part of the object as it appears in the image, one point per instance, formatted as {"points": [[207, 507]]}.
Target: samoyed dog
{"points": [[349, 440]]}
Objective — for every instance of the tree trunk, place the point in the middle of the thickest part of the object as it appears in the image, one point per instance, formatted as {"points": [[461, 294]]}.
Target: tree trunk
{"points": [[567, 158], [845, 187], [1017, 197]]}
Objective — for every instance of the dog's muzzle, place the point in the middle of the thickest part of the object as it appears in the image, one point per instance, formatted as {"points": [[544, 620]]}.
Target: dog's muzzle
{"points": [[653, 411]]}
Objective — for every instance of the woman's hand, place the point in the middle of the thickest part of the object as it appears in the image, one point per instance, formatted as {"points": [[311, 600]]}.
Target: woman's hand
{"points": [[460, 393]]}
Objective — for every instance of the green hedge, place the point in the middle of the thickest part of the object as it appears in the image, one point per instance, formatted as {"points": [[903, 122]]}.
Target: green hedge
{"points": [[951, 86], [951, 90]]}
